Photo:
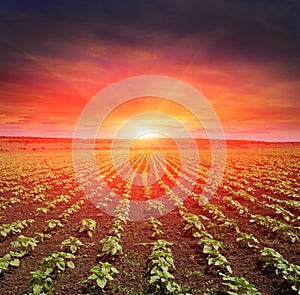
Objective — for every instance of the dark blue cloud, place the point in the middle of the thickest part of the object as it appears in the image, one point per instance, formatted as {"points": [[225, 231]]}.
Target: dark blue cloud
{"points": [[254, 30]]}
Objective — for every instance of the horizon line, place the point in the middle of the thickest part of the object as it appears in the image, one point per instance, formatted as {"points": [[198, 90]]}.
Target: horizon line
{"points": [[196, 138]]}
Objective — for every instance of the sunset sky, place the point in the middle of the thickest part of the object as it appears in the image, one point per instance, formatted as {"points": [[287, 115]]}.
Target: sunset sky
{"points": [[243, 56]]}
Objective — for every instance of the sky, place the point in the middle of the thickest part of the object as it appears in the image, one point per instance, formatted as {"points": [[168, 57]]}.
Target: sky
{"points": [[242, 56]]}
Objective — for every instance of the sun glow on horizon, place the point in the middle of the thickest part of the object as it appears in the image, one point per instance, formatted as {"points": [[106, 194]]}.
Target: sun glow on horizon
{"points": [[150, 135]]}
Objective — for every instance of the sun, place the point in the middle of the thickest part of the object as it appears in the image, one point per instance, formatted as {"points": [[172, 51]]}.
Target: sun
{"points": [[149, 135]]}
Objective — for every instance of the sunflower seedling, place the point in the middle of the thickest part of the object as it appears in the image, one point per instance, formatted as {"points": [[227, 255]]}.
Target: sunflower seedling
{"points": [[71, 244], [101, 275], [88, 225]]}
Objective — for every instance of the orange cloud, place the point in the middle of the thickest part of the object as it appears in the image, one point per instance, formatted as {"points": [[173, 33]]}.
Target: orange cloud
{"points": [[57, 90]]}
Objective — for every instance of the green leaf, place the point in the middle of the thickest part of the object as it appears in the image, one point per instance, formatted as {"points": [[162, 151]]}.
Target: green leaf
{"points": [[228, 267], [61, 265], [48, 283], [70, 264], [73, 249], [15, 262], [109, 277], [101, 282], [153, 279], [20, 253], [207, 249], [210, 261], [37, 289], [48, 271]]}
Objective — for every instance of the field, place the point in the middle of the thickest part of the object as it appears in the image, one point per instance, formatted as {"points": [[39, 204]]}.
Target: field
{"points": [[244, 240]]}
